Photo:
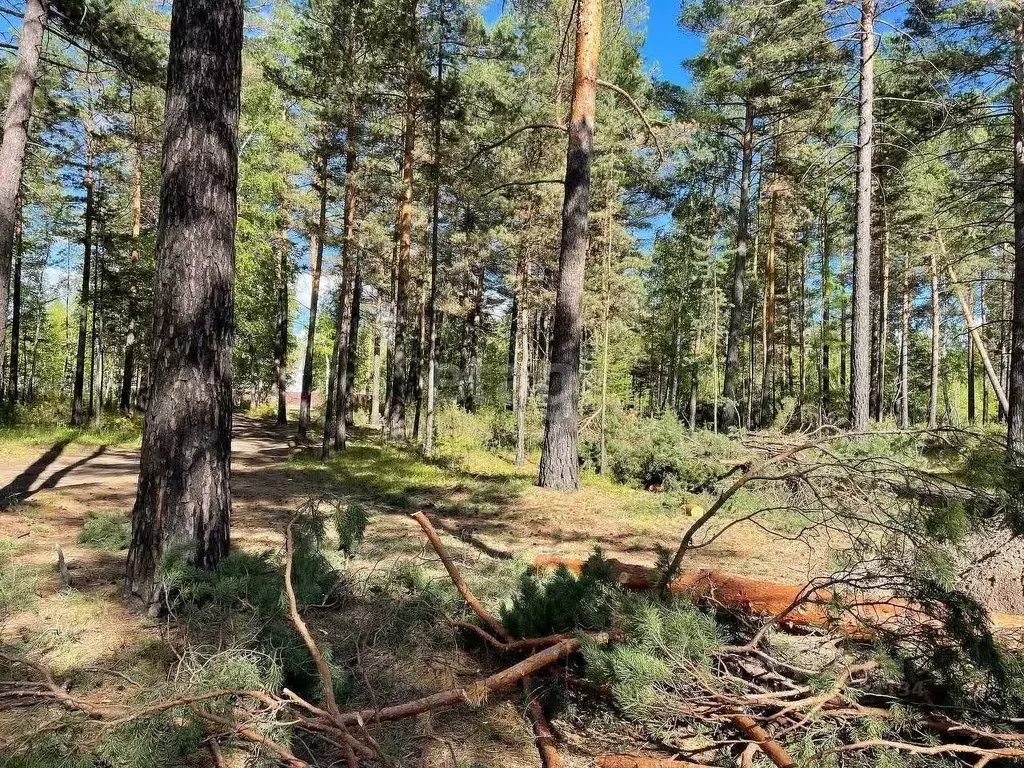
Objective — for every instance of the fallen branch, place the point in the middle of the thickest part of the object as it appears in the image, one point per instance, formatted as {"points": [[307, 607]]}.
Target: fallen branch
{"points": [[758, 735], [474, 694], [543, 735], [460, 584], [636, 108], [641, 761]]}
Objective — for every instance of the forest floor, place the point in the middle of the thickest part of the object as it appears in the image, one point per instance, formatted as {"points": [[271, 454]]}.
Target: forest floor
{"points": [[496, 517]]}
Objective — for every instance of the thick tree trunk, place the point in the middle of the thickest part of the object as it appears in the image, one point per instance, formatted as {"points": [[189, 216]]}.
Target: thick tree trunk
{"points": [[78, 410], [128, 372], [559, 464], [933, 390], [396, 428], [283, 277], [15, 139], [19, 251], [1015, 411], [316, 247], [860, 360], [184, 494], [730, 413]]}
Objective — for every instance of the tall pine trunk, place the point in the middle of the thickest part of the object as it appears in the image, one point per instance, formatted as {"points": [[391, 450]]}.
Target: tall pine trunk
{"points": [[905, 345], [338, 429], [1015, 411], [883, 325], [19, 252], [826, 320], [860, 332], [128, 369], [398, 370], [734, 338], [184, 493], [559, 464], [15, 139], [378, 340], [353, 341], [283, 270], [435, 204], [933, 389], [316, 247], [78, 410]]}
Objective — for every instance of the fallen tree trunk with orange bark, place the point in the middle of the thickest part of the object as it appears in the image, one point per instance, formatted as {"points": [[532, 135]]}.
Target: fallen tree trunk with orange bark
{"points": [[860, 616]]}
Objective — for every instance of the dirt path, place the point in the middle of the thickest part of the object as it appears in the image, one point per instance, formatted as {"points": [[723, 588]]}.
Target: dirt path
{"points": [[113, 471]]}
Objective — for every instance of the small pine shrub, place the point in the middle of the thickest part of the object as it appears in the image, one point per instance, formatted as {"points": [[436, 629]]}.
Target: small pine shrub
{"points": [[657, 636], [562, 601], [108, 532]]}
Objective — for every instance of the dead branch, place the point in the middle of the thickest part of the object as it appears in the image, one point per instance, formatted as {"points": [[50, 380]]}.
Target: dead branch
{"points": [[758, 735], [936, 749], [543, 735], [460, 584], [641, 761], [636, 108], [508, 137], [474, 694]]}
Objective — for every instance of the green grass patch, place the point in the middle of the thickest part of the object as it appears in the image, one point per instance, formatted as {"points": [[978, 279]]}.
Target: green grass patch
{"points": [[111, 532], [17, 584]]}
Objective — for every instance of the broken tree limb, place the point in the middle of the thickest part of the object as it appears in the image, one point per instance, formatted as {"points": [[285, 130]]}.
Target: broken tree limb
{"points": [[474, 694], [791, 606], [979, 344], [543, 735], [758, 735], [642, 761], [435, 541], [636, 108]]}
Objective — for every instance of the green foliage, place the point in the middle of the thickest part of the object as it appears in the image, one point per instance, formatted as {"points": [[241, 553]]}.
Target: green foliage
{"points": [[662, 453], [657, 636], [244, 599], [111, 532], [351, 525], [562, 601]]}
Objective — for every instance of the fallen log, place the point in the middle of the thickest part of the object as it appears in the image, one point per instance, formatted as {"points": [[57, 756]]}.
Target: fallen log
{"points": [[640, 761], [791, 605]]}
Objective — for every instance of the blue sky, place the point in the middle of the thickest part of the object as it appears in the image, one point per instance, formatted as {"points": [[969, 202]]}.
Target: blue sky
{"points": [[666, 46]]}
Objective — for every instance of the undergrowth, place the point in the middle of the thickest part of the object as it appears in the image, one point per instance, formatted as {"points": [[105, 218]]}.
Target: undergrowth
{"points": [[112, 532]]}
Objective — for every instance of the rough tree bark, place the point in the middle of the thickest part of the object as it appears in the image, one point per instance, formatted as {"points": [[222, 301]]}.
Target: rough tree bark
{"points": [[353, 340], [731, 374], [184, 496], [316, 247], [860, 333], [1015, 412], [15, 139], [559, 464]]}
